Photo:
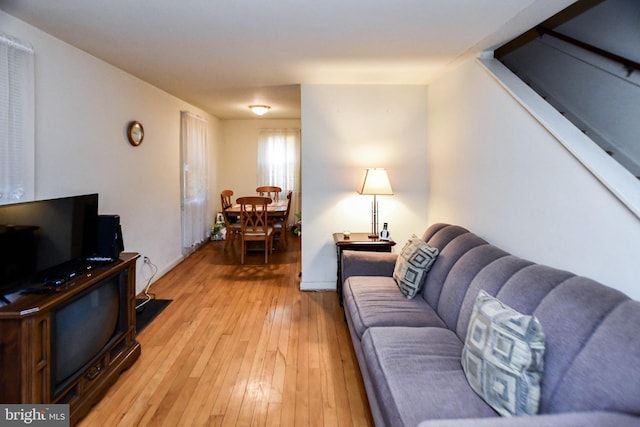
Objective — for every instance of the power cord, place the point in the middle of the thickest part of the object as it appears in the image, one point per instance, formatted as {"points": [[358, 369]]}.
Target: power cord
{"points": [[153, 269]]}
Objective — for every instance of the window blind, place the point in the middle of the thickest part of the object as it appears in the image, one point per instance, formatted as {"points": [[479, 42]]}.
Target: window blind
{"points": [[16, 120]]}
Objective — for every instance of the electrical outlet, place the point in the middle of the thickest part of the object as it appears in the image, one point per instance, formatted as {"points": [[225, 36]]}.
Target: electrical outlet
{"points": [[146, 260]]}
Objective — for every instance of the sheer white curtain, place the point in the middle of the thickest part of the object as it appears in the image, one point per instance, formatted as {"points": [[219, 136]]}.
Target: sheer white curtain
{"points": [[196, 219], [279, 162], [16, 120]]}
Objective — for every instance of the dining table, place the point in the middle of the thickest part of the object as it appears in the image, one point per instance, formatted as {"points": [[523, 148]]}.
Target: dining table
{"points": [[274, 209]]}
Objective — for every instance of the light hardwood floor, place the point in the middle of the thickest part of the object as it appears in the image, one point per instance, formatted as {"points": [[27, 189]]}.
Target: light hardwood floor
{"points": [[240, 345]]}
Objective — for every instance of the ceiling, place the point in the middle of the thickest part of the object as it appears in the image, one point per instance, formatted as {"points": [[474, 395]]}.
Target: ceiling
{"points": [[224, 55]]}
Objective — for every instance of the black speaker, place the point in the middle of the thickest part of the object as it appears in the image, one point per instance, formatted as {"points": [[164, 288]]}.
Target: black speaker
{"points": [[110, 243]]}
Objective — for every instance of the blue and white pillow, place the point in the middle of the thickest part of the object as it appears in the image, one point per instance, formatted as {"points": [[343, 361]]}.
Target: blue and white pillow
{"points": [[412, 266], [503, 356]]}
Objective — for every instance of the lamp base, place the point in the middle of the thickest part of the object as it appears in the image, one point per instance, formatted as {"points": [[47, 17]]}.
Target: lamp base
{"points": [[374, 219]]}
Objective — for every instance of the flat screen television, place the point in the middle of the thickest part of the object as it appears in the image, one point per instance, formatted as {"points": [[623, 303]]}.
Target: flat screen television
{"points": [[45, 239]]}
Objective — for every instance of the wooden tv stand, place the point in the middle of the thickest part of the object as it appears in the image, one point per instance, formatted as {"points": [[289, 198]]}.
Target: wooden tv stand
{"points": [[26, 346]]}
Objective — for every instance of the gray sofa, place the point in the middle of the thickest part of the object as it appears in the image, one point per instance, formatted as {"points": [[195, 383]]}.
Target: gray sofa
{"points": [[409, 350]]}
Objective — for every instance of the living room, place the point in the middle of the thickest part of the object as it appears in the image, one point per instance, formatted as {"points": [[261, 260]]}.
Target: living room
{"points": [[476, 157], [461, 149]]}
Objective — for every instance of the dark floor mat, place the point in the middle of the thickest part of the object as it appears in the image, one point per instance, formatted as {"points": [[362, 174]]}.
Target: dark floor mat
{"points": [[149, 311]]}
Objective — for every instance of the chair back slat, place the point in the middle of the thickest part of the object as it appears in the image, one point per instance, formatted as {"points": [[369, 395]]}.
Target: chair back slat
{"points": [[271, 191], [225, 199], [289, 196], [280, 221], [253, 214], [254, 223], [230, 221]]}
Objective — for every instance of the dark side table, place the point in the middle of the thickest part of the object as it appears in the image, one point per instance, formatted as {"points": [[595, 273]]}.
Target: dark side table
{"points": [[357, 242]]}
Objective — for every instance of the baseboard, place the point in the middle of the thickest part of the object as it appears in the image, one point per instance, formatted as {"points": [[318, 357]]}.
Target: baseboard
{"points": [[318, 286]]}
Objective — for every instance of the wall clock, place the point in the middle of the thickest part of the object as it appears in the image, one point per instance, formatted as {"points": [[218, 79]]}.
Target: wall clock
{"points": [[135, 133]]}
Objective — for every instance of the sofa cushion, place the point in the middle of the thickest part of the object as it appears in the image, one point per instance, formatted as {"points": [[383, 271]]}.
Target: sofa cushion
{"points": [[570, 313], [503, 356], [450, 253], [491, 279], [604, 374], [412, 266], [377, 301], [416, 372], [569, 419], [460, 278]]}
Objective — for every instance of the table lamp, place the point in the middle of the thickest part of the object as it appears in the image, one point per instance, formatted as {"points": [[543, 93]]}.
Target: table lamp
{"points": [[375, 182]]}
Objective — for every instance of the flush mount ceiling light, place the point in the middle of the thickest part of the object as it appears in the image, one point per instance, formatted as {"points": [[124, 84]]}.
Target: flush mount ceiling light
{"points": [[259, 109]]}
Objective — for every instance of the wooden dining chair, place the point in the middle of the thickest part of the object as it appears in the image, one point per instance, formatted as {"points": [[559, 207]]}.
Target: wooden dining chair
{"points": [[280, 223], [232, 223], [254, 224], [269, 191]]}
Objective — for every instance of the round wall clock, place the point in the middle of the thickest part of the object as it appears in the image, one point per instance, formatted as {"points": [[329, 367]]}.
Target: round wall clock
{"points": [[135, 133]]}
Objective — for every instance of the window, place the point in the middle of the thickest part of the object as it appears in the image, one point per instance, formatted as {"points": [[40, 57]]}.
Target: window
{"points": [[16, 120], [196, 219], [279, 162]]}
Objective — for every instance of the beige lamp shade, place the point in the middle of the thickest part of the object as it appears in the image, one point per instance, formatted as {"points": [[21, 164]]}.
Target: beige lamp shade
{"points": [[376, 182]]}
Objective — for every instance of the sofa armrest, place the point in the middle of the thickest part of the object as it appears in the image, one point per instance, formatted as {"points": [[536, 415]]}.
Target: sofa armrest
{"points": [[570, 419], [365, 263]]}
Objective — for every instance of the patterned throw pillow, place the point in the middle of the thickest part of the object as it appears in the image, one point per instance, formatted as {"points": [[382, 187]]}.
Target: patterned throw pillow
{"points": [[503, 357], [412, 266]]}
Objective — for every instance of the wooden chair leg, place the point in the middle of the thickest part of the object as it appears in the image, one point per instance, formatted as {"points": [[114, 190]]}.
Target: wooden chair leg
{"points": [[268, 246], [284, 235], [228, 237], [266, 253]]}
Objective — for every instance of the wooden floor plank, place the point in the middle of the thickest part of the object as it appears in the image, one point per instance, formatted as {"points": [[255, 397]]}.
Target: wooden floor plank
{"points": [[240, 345]]}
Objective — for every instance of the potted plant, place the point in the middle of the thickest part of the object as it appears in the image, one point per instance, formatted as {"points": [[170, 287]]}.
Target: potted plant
{"points": [[297, 226], [218, 231]]}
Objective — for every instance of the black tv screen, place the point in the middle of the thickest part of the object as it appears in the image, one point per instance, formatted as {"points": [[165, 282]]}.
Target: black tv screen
{"points": [[82, 328], [39, 236]]}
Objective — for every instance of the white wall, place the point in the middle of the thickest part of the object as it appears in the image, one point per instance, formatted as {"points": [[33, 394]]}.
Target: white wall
{"points": [[239, 149], [495, 170], [83, 106], [346, 129]]}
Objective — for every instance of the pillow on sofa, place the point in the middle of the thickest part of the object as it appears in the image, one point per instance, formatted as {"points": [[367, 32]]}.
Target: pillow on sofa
{"points": [[412, 265], [503, 356]]}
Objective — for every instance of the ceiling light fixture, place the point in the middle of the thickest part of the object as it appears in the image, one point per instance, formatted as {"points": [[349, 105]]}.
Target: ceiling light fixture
{"points": [[259, 109]]}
